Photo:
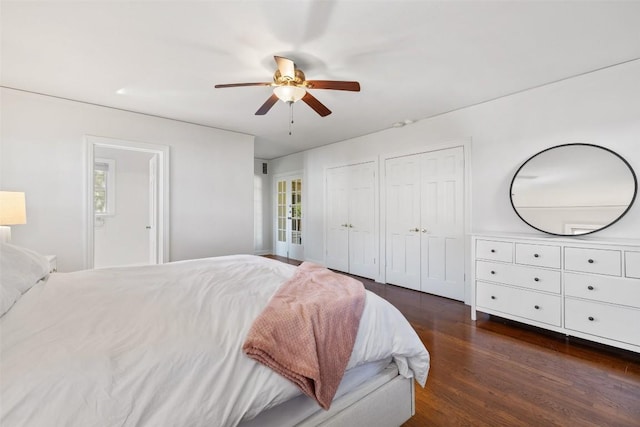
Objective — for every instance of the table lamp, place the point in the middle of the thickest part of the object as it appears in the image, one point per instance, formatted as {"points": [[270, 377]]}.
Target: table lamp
{"points": [[12, 212]]}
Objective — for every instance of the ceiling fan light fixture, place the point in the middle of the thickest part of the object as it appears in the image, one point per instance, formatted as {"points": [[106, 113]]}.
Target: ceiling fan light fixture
{"points": [[288, 93]]}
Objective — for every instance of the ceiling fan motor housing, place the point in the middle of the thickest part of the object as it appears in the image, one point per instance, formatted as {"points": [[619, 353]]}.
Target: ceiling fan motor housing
{"points": [[297, 80]]}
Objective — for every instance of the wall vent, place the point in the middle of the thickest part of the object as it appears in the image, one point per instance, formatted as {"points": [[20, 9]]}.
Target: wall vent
{"points": [[264, 168]]}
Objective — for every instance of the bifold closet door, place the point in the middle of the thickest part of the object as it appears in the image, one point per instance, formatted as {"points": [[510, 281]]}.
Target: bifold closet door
{"points": [[337, 235], [425, 222], [351, 212], [442, 223], [362, 240], [403, 220]]}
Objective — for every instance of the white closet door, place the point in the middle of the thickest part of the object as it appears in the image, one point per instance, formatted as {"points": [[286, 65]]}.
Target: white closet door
{"points": [[403, 221], [442, 223], [337, 245], [362, 242]]}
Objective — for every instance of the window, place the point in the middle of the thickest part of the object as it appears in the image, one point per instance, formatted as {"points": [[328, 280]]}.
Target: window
{"points": [[104, 189]]}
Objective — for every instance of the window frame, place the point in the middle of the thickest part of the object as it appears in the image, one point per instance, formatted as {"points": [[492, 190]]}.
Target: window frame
{"points": [[110, 186]]}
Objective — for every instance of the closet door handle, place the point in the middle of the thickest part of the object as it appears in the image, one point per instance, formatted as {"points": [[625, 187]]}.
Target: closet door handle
{"points": [[414, 230], [424, 230]]}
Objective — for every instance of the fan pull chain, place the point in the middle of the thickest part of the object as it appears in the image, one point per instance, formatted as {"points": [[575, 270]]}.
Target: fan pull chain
{"points": [[290, 116]]}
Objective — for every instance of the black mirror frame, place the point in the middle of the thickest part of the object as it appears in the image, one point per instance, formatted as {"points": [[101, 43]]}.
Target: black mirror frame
{"points": [[633, 174]]}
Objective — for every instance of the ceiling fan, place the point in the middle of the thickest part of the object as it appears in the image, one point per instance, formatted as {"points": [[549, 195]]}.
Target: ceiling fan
{"points": [[290, 85]]}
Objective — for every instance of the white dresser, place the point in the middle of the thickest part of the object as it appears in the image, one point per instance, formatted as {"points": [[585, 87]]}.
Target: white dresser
{"points": [[580, 286]]}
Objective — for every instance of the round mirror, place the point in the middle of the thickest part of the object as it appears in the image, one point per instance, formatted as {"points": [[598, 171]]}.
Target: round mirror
{"points": [[573, 189]]}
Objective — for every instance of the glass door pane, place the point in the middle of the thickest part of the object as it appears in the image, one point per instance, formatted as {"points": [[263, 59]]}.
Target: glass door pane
{"points": [[296, 211], [282, 211]]}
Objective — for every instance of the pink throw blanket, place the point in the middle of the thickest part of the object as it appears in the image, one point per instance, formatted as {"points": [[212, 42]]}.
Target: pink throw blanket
{"points": [[307, 330]]}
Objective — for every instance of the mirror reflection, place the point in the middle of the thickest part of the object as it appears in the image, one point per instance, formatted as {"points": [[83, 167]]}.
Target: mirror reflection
{"points": [[573, 189]]}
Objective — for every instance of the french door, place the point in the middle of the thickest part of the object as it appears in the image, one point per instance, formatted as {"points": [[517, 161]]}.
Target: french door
{"points": [[288, 225], [425, 222]]}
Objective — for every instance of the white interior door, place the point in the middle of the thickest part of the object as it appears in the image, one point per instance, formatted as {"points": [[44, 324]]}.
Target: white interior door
{"points": [[289, 232], [337, 237], [361, 225], [442, 223], [425, 222], [152, 227], [403, 221]]}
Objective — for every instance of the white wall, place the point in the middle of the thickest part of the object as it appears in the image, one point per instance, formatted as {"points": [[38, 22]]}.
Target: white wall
{"points": [[122, 238], [600, 108], [263, 207], [42, 154]]}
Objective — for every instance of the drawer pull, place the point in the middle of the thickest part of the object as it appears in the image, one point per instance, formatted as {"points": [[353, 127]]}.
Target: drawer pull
{"points": [[536, 279], [537, 307], [493, 297], [493, 251], [493, 272], [536, 255], [590, 261], [591, 319], [590, 287]]}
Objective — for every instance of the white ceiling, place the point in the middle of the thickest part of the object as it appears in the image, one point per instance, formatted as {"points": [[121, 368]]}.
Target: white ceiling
{"points": [[413, 59]]}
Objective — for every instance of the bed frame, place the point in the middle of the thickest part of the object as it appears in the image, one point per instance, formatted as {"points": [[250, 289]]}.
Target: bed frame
{"points": [[390, 404], [386, 399]]}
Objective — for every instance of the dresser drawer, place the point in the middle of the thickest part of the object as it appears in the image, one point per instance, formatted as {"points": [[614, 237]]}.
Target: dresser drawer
{"points": [[632, 264], [544, 308], [516, 275], [599, 261], [602, 288], [603, 320], [539, 255], [495, 251]]}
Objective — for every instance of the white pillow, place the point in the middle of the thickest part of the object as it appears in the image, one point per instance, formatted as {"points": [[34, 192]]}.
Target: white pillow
{"points": [[20, 269]]}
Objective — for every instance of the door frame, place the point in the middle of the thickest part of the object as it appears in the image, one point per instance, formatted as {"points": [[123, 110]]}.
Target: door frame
{"points": [[162, 179], [465, 143], [274, 222]]}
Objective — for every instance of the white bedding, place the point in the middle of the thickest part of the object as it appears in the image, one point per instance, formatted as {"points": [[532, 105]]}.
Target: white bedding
{"points": [[161, 346]]}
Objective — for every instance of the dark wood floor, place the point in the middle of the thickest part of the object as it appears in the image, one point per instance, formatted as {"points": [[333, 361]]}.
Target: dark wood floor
{"points": [[494, 372]]}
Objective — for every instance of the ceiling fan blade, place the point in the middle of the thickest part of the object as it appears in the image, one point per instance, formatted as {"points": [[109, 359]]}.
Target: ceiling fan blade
{"points": [[286, 67], [317, 106], [333, 84], [241, 84], [267, 105]]}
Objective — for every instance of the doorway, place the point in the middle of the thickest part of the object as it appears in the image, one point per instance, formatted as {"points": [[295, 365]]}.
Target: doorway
{"points": [[289, 232], [127, 203]]}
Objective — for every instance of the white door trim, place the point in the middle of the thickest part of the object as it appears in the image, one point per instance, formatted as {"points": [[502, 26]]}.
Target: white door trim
{"points": [[91, 142]]}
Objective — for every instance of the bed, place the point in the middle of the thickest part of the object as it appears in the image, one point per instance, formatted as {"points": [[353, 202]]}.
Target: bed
{"points": [[163, 345]]}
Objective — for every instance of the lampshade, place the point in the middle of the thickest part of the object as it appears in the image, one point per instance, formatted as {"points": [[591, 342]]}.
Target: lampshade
{"points": [[289, 93], [12, 208]]}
